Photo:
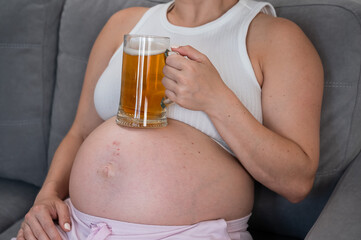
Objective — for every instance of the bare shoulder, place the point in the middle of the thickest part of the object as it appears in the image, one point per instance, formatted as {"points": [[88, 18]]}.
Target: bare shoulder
{"points": [[275, 36], [269, 24], [123, 21], [274, 40], [128, 17]]}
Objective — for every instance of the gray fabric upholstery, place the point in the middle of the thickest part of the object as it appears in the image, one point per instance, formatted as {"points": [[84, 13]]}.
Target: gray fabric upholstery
{"points": [[267, 236], [28, 43], [15, 200], [11, 231], [338, 220], [80, 24]]}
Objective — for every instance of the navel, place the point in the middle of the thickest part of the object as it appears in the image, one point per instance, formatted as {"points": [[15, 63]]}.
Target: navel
{"points": [[107, 171]]}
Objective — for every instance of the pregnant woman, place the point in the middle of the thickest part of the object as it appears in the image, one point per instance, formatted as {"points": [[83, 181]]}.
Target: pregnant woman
{"points": [[247, 103]]}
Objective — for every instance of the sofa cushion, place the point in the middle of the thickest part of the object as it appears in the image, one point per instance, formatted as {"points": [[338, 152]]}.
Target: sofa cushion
{"points": [[15, 200], [80, 24], [334, 27], [12, 231], [341, 217], [268, 236], [28, 44]]}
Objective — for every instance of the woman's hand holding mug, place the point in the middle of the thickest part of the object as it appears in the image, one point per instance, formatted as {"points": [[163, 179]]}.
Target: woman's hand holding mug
{"points": [[191, 80]]}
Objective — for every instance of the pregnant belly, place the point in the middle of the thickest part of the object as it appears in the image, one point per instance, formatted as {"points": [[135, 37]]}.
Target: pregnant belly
{"points": [[169, 176]]}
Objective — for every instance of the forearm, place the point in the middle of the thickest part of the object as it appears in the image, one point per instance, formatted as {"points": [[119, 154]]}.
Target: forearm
{"points": [[57, 180], [275, 161]]}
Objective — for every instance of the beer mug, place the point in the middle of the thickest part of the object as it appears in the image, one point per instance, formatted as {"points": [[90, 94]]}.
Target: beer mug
{"points": [[142, 96]]}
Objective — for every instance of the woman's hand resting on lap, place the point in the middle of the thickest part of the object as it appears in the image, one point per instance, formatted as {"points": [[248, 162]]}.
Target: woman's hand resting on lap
{"points": [[39, 221]]}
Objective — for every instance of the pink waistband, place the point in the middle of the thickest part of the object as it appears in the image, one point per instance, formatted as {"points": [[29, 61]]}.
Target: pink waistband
{"points": [[100, 228]]}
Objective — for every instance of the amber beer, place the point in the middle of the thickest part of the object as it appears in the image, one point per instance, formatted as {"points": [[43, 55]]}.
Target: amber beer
{"points": [[142, 92]]}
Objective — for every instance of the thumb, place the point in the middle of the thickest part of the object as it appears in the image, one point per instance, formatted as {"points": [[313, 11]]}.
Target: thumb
{"points": [[190, 52], [63, 216]]}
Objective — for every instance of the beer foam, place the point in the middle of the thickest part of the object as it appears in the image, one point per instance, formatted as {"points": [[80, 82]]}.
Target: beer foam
{"points": [[136, 52], [139, 46]]}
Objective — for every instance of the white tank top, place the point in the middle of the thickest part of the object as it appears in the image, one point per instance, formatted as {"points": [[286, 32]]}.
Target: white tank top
{"points": [[222, 40]]}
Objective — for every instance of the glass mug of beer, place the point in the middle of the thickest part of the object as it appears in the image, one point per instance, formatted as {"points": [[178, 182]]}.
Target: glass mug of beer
{"points": [[142, 96]]}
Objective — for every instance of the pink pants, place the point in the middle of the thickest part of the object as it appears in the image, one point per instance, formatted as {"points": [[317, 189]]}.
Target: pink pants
{"points": [[88, 227]]}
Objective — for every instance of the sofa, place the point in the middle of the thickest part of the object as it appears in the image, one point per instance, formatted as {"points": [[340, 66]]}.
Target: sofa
{"points": [[44, 47]]}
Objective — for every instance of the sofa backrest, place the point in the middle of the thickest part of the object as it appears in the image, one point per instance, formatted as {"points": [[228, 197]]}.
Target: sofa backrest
{"points": [[334, 27], [28, 49]]}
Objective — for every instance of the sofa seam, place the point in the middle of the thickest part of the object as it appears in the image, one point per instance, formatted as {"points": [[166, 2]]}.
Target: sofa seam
{"points": [[20, 122], [19, 45], [61, 12], [328, 173], [46, 6], [79, 59], [353, 115]]}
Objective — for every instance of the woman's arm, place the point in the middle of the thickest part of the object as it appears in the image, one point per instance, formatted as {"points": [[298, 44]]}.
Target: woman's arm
{"points": [[282, 153], [86, 119], [38, 223]]}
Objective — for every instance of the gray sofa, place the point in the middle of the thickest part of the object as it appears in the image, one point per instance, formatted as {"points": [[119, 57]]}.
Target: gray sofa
{"points": [[44, 46]]}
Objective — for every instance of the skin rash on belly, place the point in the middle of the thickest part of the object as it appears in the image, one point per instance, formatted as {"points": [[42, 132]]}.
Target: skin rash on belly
{"points": [[108, 170], [169, 176]]}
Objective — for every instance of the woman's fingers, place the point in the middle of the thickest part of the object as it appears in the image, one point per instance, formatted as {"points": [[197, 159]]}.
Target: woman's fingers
{"points": [[176, 61], [33, 229], [170, 85], [40, 226], [190, 52], [38, 222], [169, 81], [28, 234], [170, 95], [171, 72], [20, 235], [63, 216], [47, 227]]}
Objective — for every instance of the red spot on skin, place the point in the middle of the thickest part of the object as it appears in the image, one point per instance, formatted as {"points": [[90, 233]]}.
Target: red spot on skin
{"points": [[116, 154], [114, 148]]}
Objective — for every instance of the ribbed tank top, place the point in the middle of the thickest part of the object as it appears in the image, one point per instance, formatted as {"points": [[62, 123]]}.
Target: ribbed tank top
{"points": [[223, 41]]}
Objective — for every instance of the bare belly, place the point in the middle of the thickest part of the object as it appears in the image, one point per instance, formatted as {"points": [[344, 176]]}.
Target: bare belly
{"points": [[169, 176]]}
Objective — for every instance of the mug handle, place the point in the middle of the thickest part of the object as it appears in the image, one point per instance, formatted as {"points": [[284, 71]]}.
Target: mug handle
{"points": [[166, 101]]}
